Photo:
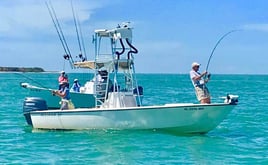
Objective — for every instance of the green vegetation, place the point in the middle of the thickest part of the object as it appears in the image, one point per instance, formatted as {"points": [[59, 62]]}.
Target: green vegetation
{"points": [[21, 69]]}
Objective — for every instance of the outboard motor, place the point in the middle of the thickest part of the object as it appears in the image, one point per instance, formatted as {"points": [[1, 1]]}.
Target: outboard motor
{"points": [[231, 99], [138, 90], [33, 104], [138, 93]]}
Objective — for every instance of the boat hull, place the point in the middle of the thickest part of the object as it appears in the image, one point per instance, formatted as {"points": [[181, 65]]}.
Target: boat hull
{"points": [[179, 118]]}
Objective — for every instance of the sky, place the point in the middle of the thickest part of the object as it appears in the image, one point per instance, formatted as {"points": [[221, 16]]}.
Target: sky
{"points": [[169, 34]]}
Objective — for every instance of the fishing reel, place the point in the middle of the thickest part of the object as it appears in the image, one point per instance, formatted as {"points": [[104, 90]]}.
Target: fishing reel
{"points": [[209, 75], [66, 57]]}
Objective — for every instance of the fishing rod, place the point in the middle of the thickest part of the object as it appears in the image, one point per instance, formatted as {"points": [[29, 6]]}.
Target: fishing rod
{"points": [[226, 34], [70, 59], [62, 43], [77, 33], [68, 56], [82, 39]]}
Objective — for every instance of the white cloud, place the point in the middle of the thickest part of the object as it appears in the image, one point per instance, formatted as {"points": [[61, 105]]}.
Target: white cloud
{"points": [[257, 27], [27, 31], [19, 17]]}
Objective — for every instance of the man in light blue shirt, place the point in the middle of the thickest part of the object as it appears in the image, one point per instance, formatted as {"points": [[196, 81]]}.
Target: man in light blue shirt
{"points": [[199, 84]]}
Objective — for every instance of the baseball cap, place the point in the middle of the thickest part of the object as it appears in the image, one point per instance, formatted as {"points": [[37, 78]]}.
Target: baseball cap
{"points": [[195, 64]]}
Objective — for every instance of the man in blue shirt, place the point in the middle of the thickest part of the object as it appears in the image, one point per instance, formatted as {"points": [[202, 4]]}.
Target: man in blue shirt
{"points": [[76, 86], [64, 93]]}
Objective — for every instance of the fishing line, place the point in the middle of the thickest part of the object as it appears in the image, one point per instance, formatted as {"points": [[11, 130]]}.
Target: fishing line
{"points": [[31, 80], [226, 34]]}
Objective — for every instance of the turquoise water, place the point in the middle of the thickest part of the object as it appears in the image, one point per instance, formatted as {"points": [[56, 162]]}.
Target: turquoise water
{"points": [[240, 139]]}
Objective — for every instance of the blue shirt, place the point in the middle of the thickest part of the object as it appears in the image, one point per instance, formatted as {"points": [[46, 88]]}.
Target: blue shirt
{"points": [[66, 91], [76, 87]]}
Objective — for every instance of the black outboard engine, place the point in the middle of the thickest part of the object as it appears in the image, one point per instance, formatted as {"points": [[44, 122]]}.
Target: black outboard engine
{"points": [[33, 104], [231, 99], [138, 90]]}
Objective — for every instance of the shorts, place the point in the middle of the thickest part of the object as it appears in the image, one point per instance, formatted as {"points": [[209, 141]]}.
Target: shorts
{"points": [[66, 104], [202, 93]]}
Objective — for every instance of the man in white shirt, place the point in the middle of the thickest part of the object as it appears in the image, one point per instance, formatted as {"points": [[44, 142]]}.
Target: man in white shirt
{"points": [[199, 84]]}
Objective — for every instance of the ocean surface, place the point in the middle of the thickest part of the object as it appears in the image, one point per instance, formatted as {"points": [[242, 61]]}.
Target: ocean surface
{"points": [[242, 138]]}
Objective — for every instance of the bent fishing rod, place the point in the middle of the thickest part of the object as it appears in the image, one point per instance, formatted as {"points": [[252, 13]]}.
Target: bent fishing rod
{"points": [[226, 34]]}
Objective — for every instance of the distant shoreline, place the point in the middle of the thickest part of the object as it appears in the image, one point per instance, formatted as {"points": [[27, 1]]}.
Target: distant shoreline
{"points": [[21, 69]]}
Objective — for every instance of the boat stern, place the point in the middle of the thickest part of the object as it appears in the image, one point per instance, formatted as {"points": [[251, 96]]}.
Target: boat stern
{"points": [[33, 104]]}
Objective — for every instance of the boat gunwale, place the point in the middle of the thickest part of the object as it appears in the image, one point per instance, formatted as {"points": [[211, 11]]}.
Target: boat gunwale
{"points": [[159, 107]]}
